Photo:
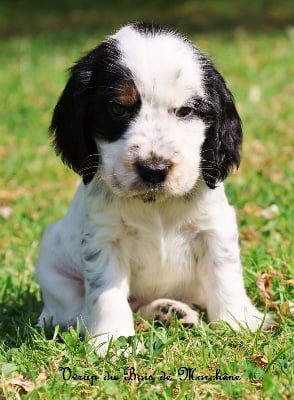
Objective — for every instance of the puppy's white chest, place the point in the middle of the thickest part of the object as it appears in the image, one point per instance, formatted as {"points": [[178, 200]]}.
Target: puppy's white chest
{"points": [[163, 264]]}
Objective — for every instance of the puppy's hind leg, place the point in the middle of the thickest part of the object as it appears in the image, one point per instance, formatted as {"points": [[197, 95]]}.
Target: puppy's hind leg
{"points": [[63, 299], [62, 288]]}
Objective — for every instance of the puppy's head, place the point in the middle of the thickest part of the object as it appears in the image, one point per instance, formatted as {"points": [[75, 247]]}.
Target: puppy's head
{"points": [[146, 112]]}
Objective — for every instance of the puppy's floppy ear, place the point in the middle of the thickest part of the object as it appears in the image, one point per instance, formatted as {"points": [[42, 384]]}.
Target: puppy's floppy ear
{"points": [[221, 148], [68, 126]]}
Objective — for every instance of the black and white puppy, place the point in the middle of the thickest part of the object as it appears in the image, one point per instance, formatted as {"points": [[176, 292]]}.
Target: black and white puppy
{"points": [[151, 127]]}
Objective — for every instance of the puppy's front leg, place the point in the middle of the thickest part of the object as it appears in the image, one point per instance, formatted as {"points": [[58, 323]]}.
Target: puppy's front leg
{"points": [[223, 285], [108, 314]]}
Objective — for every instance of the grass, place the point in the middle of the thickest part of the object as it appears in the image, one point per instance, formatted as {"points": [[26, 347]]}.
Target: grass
{"points": [[258, 65]]}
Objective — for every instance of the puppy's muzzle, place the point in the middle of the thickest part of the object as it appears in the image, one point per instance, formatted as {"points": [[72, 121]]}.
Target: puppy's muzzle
{"points": [[153, 171]]}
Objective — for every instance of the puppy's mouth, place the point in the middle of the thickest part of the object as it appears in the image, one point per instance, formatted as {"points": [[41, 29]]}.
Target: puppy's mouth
{"points": [[152, 194], [147, 192], [140, 190]]}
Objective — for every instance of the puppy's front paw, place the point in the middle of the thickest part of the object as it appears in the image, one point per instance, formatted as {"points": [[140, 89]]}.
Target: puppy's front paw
{"points": [[255, 320], [166, 310], [249, 318], [101, 345]]}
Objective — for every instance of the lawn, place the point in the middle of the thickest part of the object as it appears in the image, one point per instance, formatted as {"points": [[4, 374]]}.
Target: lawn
{"points": [[254, 51]]}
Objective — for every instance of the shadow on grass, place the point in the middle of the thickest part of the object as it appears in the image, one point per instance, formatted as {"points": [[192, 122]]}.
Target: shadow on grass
{"points": [[18, 310], [26, 17]]}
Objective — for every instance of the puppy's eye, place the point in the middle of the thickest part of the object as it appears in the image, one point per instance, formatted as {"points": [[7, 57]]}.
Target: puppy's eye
{"points": [[117, 110], [184, 112]]}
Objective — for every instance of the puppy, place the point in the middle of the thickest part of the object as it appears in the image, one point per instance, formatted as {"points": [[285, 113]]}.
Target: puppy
{"points": [[151, 127]]}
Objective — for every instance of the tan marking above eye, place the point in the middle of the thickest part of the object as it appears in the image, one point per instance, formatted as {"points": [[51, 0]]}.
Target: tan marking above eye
{"points": [[127, 95]]}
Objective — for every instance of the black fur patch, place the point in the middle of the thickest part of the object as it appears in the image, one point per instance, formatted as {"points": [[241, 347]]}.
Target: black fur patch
{"points": [[220, 152], [83, 110]]}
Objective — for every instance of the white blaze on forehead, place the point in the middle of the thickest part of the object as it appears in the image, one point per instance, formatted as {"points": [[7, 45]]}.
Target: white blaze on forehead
{"points": [[164, 67]]}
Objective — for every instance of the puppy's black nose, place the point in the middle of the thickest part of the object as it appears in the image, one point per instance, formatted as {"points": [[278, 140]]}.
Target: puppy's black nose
{"points": [[153, 170]]}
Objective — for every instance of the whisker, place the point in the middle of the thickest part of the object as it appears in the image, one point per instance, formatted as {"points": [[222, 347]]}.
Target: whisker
{"points": [[216, 162], [95, 155], [209, 161], [81, 170], [93, 162], [209, 149], [87, 174], [211, 176]]}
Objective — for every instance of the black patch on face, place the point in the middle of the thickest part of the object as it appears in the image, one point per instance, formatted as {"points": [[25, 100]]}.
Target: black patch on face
{"points": [[221, 148], [203, 109], [104, 118], [85, 108]]}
